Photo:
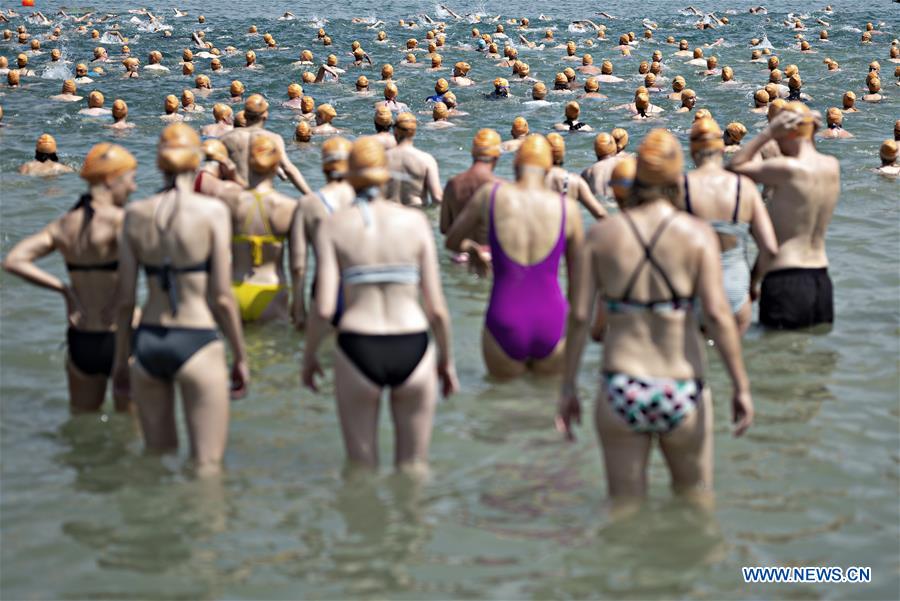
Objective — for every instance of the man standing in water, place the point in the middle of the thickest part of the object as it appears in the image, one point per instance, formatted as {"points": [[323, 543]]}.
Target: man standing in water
{"points": [[796, 292], [414, 172], [237, 142], [460, 188]]}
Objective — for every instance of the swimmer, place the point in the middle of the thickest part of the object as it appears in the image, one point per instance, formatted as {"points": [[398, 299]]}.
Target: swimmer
{"points": [[539, 95], [4, 65], [570, 185], [362, 86], [307, 109], [188, 105], [22, 66], [598, 175], [834, 119], [462, 187], [261, 220], [387, 73], [410, 61], [237, 141], [874, 86], [100, 55], [650, 84], [712, 64], [888, 154], [202, 85], [390, 99], [154, 62], [87, 237], [182, 241], [621, 137], [734, 133], [683, 49], [46, 162], [236, 91], [699, 60], [376, 350], [794, 85], [306, 58], [530, 228], [311, 210], [523, 73], [592, 89], [571, 122], [518, 131], [224, 122], [69, 92], [796, 291], [606, 74], [688, 101], [461, 75], [561, 84], [414, 173], [731, 204], [250, 58], [384, 121], [217, 176], [131, 65], [170, 106], [678, 85], [441, 87], [302, 133], [325, 114], [120, 116], [652, 382], [95, 106], [760, 102], [440, 117]]}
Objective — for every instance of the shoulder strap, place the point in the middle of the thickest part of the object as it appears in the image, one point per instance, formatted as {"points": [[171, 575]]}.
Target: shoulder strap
{"points": [[648, 254], [328, 205], [687, 196], [737, 201]]}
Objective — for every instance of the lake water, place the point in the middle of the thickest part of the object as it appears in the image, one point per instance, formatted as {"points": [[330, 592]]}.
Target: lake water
{"points": [[511, 511]]}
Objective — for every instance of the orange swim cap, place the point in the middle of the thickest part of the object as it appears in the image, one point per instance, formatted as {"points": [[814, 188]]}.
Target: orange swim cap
{"points": [[106, 161]]}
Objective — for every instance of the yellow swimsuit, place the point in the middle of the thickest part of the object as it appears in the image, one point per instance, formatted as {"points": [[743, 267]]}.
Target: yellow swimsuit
{"points": [[253, 298]]}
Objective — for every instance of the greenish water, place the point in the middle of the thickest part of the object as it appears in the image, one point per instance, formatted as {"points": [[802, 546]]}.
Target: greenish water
{"points": [[511, 511]]}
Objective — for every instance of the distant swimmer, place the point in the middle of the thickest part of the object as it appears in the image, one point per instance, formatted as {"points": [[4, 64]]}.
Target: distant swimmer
{"points": [[69, 92], [597, 175], [890, 167], [567, 183], [120, 116], [518, 131], [834, 118], [95, 106], [462, 187], [45, 162], [415, 177]]}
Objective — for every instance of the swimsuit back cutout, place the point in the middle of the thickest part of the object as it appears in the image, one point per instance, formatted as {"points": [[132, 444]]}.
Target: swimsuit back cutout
{"points": [[625, 303], [257, 241], [527, 311]]}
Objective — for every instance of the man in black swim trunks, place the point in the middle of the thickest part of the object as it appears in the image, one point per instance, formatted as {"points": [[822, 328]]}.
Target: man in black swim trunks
{"points": [[805, 184]]}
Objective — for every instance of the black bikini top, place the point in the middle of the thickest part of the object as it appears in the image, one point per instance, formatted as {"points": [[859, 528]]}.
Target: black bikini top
{"points": [[166, 274], [111, 266]]}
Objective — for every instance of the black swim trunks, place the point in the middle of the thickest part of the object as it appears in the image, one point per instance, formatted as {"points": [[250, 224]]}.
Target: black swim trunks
{"points": [[796, 298]]}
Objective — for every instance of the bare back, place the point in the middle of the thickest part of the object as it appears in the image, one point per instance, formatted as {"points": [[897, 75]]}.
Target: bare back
{"points": [[260, 213], [527, 221], [411, 169]]}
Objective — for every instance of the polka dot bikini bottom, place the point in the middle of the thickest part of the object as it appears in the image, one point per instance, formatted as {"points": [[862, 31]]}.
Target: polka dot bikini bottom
{"points": [[652, 405]]}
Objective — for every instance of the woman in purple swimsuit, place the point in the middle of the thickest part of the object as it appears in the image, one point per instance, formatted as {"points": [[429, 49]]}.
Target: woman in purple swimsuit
{"points": [[529, 229]]}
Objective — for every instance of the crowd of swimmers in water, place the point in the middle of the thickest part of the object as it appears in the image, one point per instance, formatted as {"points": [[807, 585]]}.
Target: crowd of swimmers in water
{"points": [[664, 265]]}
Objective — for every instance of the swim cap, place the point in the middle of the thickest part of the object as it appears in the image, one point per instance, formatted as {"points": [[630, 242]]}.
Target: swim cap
{"points": [[450, 100], [642, 102], [325, 112], [440, 111], [335, 155], [834, 117], [790, 70], [486, 144], [215, 150], [12, 77], [755, 54], [569, 72], [806, 127], [4, 63], [678, 83], [179, 149], [202, 82], [308, 77], [888, 151], [187, 55], [384, 117], [761, 98], [171, 103], [623, 39], [250, 56], [155, 57], [773, 63], [698, 52], [382, 36], [387, 71], [68, 86], [649, 80], [621, 179], [307, 104], [99, 51], [46, 144], [539, 91], [187, 69], [804, 45], [35, 44], [265, 155], [712, 62], [500, 83], [441, 86], [519, 127], [570, 48], [772, 91], [436, 60], [604, 146], [362, 82], [795, 82], [106, 161], [215, 64], [848, 100], [294, 91], [367, 165], [735, 132], [643, 68], [406, 123], [95, 100], [411, 43], [687, 95], [303, 132], [252, 29], [255, 106], [536, 151], [775, 107], [461, 68], [659, 161], [201, 19], [727, 73], [561, 79], [331, 60], [187, 98], [606, 68], [587, 59], [706, 135], [119, 109], [572, 110], [683, 45], [591, 85], [621, 138], [874, 85], [306, 56], [321, 33], [221, 112], [22, 61]]}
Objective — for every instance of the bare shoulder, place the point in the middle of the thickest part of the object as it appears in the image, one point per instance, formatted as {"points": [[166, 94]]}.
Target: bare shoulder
{"points": [[697, 233]]}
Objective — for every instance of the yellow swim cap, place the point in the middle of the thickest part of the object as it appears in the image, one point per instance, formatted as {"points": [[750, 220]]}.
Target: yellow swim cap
{"points": [[221, 112], [888, 151], [237, 88], [706, 134], [367, 165], [119, 109], [441, 86], [179, 149], [604, 146], [621, 138], [622, 179], [294, 90], [106, 161], [660, 160], [46, 144], [326, 113], [69, 87], [336, 155], [303, 132], [96, 100], [486, 144], [735, 132], [440, 111], [265, 155], [535, 151], [215, 150], [171, 103], [572, 110], [255, 106], [362, 82], [519, 127], [384, 117]]}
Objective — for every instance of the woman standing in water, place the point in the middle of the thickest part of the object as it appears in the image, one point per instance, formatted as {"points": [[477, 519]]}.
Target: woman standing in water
{"points": [[650, 264], [734, 208], [261, 219], [384, 253], [529, 228], [87, 237], [182, 241]]}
